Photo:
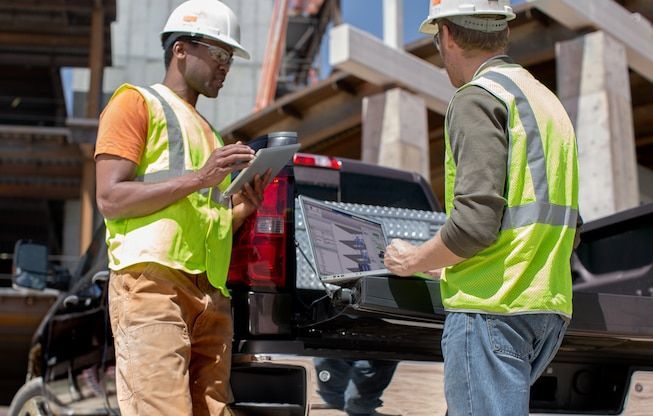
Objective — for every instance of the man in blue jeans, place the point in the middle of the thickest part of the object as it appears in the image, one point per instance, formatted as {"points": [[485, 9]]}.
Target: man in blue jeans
{"points": [[355, 386], [511, 197]]}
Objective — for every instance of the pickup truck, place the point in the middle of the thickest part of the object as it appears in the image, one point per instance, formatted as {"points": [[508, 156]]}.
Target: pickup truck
{"points": [[281, 309]]}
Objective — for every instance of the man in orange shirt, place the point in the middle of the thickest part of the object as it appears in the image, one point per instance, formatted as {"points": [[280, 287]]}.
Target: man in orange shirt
{"points": [[161, 169]]}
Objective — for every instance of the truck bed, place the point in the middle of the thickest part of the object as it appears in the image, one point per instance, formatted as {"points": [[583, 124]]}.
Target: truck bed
{"points": [[607, 320]]}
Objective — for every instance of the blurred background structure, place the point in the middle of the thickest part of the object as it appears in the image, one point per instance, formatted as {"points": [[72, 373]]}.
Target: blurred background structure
{"points": [[344, 74]]}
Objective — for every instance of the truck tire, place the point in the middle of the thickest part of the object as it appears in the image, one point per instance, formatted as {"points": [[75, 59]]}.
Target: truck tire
{"points": [[29, 400]]}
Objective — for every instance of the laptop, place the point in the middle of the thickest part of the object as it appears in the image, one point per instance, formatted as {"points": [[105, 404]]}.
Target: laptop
{"points": [[345, 246]]}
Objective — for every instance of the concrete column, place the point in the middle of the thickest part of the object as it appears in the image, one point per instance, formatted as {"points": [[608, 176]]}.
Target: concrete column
{"points": [[594, 87], [395, 131], [393, 23]]}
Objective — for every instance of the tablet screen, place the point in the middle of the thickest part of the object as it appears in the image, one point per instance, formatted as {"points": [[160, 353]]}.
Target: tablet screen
{"points": [[273, 158]]}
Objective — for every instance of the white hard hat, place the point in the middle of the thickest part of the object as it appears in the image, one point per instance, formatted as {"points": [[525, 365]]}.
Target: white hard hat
{"points": [[207, 18], [462, 12]]}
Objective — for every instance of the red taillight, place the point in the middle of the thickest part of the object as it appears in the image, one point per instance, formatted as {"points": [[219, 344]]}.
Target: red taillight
{"points": [[303, 159], [258, 258]]}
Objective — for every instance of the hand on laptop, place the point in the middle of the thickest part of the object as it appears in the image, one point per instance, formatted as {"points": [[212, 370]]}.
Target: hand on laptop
{"points": [[397, 257]]}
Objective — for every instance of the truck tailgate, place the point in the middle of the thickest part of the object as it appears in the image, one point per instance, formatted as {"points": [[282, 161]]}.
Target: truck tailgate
{"points": [[603, 324]]}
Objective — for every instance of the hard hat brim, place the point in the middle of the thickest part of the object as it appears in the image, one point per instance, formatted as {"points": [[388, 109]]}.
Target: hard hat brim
{"points": [[239, 51], [430, 25]]}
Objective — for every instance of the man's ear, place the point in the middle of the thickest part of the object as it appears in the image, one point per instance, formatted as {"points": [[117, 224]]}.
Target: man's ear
{"points": [[179, 49], [445, 37]]}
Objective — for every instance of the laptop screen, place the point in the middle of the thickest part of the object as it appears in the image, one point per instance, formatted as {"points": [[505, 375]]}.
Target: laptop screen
{"points": [[342, 242]]}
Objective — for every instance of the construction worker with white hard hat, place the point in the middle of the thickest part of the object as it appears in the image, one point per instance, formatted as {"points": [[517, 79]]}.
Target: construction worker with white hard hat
{"points": [[161, 169], [511, 197]]}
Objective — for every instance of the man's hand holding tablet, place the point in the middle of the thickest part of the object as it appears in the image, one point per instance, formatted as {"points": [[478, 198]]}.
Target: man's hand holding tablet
{"points": [[269, 160]]}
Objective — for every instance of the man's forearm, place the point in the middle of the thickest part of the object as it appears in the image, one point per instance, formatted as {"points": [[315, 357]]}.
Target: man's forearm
{"points": [[405, 259], [431, 255], [136, 199]]}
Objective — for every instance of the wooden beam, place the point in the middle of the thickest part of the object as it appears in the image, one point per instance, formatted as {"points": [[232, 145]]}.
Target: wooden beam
{"points": [[74, 57], [39, 188], [644, 141], [68, 6], [533, 42], [645, 176], [367, 57], [334, 115], [60, 134], [96, 64], [343, 85], [87, 197], [320, 121], [18, 39], [633, 30], [290, 110]]}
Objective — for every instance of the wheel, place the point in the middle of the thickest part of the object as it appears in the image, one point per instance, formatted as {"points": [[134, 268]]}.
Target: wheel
{"points": [[29, 400]]}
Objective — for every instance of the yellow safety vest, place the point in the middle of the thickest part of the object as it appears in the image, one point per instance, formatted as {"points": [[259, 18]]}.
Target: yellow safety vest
{"points": [[193, 234], [527, 269]]}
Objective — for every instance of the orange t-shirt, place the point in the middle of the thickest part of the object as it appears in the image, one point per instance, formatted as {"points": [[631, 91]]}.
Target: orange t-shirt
{"points": [[123, 127]]}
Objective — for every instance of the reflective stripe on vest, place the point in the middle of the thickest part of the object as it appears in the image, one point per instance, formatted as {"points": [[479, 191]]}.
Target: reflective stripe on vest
{"points": [[175, 144], [192, 234], [526, 270], [540, 211], [177, 154]]}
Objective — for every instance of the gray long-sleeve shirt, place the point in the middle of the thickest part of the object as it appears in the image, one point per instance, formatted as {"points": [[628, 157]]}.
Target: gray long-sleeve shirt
{"points": [[477, 123]]}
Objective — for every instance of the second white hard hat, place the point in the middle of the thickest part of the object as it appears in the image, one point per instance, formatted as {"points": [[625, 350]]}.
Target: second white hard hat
{"points": [[207, 18], [465, 12]]}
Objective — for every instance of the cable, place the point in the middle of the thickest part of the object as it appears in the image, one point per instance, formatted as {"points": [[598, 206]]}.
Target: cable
{"points": [[326, 288], [310, 263]]}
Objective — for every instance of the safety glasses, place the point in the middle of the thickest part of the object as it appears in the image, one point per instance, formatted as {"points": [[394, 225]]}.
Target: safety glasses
{"points": [[436, 41], [220, 55]]}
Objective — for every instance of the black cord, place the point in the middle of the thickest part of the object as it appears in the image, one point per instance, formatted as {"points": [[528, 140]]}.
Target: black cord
{"points": [[310, 263]]}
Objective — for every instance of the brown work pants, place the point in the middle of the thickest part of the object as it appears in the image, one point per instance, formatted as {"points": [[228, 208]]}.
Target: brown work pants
{"points": [[172, 334]]}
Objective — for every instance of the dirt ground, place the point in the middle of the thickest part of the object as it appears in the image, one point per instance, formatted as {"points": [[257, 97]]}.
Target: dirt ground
{"points": [[416, 390]]}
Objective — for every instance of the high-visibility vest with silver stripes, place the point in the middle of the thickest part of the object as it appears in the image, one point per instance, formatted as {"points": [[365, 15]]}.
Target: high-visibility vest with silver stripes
{"points": [[193, 234], [527, 269]]}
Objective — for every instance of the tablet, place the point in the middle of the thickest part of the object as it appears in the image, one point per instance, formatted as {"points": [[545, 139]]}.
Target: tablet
{"points": [[273, 158]]}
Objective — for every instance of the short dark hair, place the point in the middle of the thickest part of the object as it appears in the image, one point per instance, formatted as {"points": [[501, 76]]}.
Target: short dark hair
{"points": [[167, 41], [469, 39], [167, 49]]}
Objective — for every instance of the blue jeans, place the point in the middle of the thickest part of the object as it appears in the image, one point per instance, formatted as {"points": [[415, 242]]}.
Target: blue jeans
{"points": [[490, 361], [355, 386]]}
